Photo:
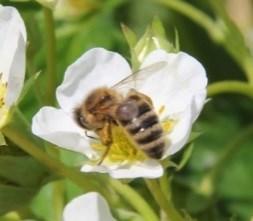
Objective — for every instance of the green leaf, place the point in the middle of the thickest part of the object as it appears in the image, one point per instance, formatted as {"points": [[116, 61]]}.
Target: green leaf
{"points": [[21, 177], [158, 28], [126, 215], [40, 206], [28, 85], [13, 197], [177, 42], [186, 156], [168, 163], [131, 39], [194, 135], [14, 169], [153, 38], [130, 36]]}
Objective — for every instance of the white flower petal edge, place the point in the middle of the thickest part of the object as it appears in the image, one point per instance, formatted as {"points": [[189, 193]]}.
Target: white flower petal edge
{"points": [[12, 51], [180, 134], [57, 127], [90, 207], [177, 84], [149, 169], [97, 67]]}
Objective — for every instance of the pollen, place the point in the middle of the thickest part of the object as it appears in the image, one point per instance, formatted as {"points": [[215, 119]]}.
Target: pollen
{"points": [[121, 150], [168, 125]]}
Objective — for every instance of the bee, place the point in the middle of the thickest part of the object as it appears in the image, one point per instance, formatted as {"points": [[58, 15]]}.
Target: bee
{"points": [[134, 112]]}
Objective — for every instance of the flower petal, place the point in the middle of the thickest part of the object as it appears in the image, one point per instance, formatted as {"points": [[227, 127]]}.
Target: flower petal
{"points": [[181, 131], [12, 51], [149, 169], [198, 103], [90, 206], [177, 84], [55, 126], [96, 68]]}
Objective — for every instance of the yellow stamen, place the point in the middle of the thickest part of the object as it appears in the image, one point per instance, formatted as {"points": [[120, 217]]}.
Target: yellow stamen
{"points": [[123, 149], [168, 125], [161, 109]]}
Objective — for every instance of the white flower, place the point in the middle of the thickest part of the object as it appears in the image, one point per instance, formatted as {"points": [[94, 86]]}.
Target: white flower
{"points": [[90, 206], [179, 87], [12, 58]]}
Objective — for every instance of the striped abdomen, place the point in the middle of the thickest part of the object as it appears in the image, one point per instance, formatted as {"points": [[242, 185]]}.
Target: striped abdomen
{"points": [[137, 116]]}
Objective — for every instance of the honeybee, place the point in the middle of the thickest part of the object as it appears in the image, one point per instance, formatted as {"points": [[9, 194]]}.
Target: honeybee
{"points": [[134, 112]]}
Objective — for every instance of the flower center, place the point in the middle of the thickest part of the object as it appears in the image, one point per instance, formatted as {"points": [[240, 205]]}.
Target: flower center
{"points": [[123, 149], [3, 107]]}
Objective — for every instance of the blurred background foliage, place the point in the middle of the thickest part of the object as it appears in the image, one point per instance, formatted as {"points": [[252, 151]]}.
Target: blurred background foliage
{"points": [[217, 181]]}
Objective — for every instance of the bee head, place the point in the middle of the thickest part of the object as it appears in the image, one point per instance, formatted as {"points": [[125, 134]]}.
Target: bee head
{"points": [[81, 119]]}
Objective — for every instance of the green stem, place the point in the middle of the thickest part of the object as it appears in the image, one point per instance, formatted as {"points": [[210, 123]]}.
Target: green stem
{"points": [[165, 185], [58, 188], [165, 204], [230, 87], [58, 200], [134, 199], [197, 16], [51, 80], [220, 33]]}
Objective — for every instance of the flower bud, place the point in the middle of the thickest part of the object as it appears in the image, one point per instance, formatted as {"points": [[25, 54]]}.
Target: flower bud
{"points": [[153, 38]]}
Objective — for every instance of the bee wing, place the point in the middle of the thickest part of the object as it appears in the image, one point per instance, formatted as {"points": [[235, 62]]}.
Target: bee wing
{"points": [[135, 79]]}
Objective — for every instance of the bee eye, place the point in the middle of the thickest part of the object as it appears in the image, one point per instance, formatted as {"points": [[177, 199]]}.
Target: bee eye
{"points": [[81, 122], [80, 119]]}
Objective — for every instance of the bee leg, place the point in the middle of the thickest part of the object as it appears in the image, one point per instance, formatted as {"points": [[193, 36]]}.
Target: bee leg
{"points": [[104, 155], [105, 134], [106, 138]]}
